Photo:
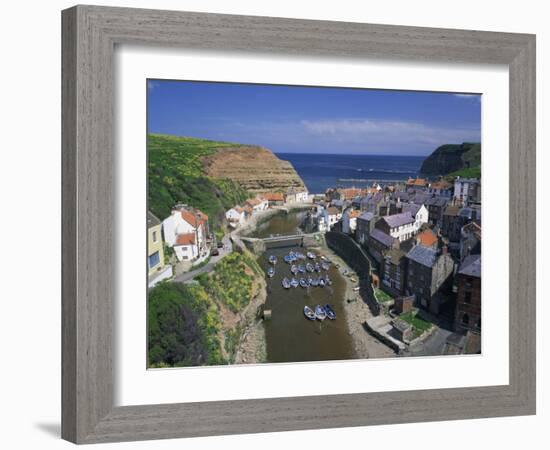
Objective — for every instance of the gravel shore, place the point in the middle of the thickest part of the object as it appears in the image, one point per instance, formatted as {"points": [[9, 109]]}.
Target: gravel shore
{"points": [[357, 312]]}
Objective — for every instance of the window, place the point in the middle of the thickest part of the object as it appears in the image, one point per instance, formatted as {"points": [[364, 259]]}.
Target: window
{"points": [[468, 297], [465, 319], [154, 236], [154, 260]]}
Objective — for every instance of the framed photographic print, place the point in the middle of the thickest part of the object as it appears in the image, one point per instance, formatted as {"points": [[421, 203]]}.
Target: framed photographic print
{"points": [[276, 224]]}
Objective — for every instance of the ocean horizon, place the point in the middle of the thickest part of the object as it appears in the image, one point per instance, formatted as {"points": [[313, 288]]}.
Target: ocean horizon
{"points": [[321, 171]]}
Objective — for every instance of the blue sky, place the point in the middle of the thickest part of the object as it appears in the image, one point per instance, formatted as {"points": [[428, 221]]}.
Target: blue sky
{"points": [[289, 119]]}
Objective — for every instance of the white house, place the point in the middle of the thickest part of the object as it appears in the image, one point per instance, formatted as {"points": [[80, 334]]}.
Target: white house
{"points": [[349, 220], [467, 190], [186, 231], [257, 204], [334, 215], [302, 196], [404, 225], [296, 195], [235, 216]]}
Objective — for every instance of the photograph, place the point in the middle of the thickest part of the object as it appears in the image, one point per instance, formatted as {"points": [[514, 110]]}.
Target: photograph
{"points": [[292, 224]]}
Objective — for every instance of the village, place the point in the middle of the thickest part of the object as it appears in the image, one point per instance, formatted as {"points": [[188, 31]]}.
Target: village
{"points": [[422, 240]]}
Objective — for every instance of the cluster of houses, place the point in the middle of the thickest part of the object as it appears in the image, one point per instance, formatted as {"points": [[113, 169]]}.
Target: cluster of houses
{"points": [[239, 214], [187, 232], [425, 238]]}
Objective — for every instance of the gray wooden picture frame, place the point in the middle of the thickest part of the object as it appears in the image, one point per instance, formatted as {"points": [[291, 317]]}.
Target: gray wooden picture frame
{"points": [[90, 34]]}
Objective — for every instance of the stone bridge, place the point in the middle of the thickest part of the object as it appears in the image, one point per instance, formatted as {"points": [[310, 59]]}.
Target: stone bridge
{"points": [[260, 245]]}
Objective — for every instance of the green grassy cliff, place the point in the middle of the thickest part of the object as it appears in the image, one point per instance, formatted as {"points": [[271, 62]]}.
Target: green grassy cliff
{"points": [[176, 175], [454, 160]]}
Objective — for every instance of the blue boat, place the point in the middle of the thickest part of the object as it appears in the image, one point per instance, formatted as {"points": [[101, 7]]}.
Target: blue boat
{"points": [[294, 283], [315, 282], [286, 283], [288, 259], [320, 313], [272, 259], [270, 272], [330, 312], [309, 313], [303, 283]]}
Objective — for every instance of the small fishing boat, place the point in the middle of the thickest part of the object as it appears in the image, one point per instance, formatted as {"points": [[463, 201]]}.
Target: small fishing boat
{"points": [[325, 266], [311, 255], [294, 283], [301, 268], [272, 259], [317, 267], [322, 282], [287, 259], [300, 256], [309, 281], [309, 267], [303, 283], [309, 313], [315, 282], [270, 272], [330, 312], [294, 269], [286, 283], [320, 312], [324, 258]]}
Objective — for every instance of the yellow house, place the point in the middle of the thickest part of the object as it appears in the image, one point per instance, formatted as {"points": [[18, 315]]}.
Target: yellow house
{"points": [[155, 251]]}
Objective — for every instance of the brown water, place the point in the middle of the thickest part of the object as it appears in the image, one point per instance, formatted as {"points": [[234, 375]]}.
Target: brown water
{"points": [[290, 336]]}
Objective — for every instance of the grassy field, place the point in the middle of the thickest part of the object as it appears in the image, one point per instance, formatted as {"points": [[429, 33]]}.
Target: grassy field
{"points": [[419, 325], [381, 296], [472, 172], [175, 175]]}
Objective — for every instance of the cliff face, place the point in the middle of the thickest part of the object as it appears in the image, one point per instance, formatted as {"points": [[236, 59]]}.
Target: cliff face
{"points": [[255, 169], [452, 158]]}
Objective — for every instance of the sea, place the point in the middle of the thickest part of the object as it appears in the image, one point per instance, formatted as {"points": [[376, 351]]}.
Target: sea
{"points": [[322, 171]]}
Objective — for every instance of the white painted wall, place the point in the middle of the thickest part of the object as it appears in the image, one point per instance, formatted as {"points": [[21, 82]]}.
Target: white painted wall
{"points": [[30, 388]]}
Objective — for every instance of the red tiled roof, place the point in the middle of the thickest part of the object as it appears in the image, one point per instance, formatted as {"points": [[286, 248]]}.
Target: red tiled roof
{"points": [[194, 220], [185, 239], [427, 238], [274, 196], [354, 213], [416, 182]]}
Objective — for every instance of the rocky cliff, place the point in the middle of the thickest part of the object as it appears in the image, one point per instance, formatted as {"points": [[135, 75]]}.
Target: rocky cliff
{"points": [[451, 158], [255, 169]]}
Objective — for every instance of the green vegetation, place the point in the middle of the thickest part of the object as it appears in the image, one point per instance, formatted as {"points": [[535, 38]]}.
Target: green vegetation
{"points": [[184, 322], [230, 283], [419, 325], [472, 172], [176, 175], [381, 296], [451, 159], [183, 325]]}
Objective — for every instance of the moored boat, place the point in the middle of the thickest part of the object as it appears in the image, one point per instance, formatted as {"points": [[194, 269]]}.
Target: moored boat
{"points": [[321, 282], [311, 255], [301, 268], [320, 313], [286, 283], [325, 266], [272, 259], [294, 269], [300, 256], [309, 267], [287, 259], [270, 272], [303, 283], [315, 282], [317, 267], [330, 312], [309, 313], [294, 283]]}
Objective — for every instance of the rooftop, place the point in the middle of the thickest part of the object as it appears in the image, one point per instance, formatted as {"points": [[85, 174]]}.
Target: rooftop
{"points": [[382, 237], [398, 220], [185, 239], [366, 216], [152, 220], [423, 255], [427, 238], [471, 266]]}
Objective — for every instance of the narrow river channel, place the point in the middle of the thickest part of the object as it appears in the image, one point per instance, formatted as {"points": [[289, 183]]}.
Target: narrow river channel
{"points": [[290, 337]]}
